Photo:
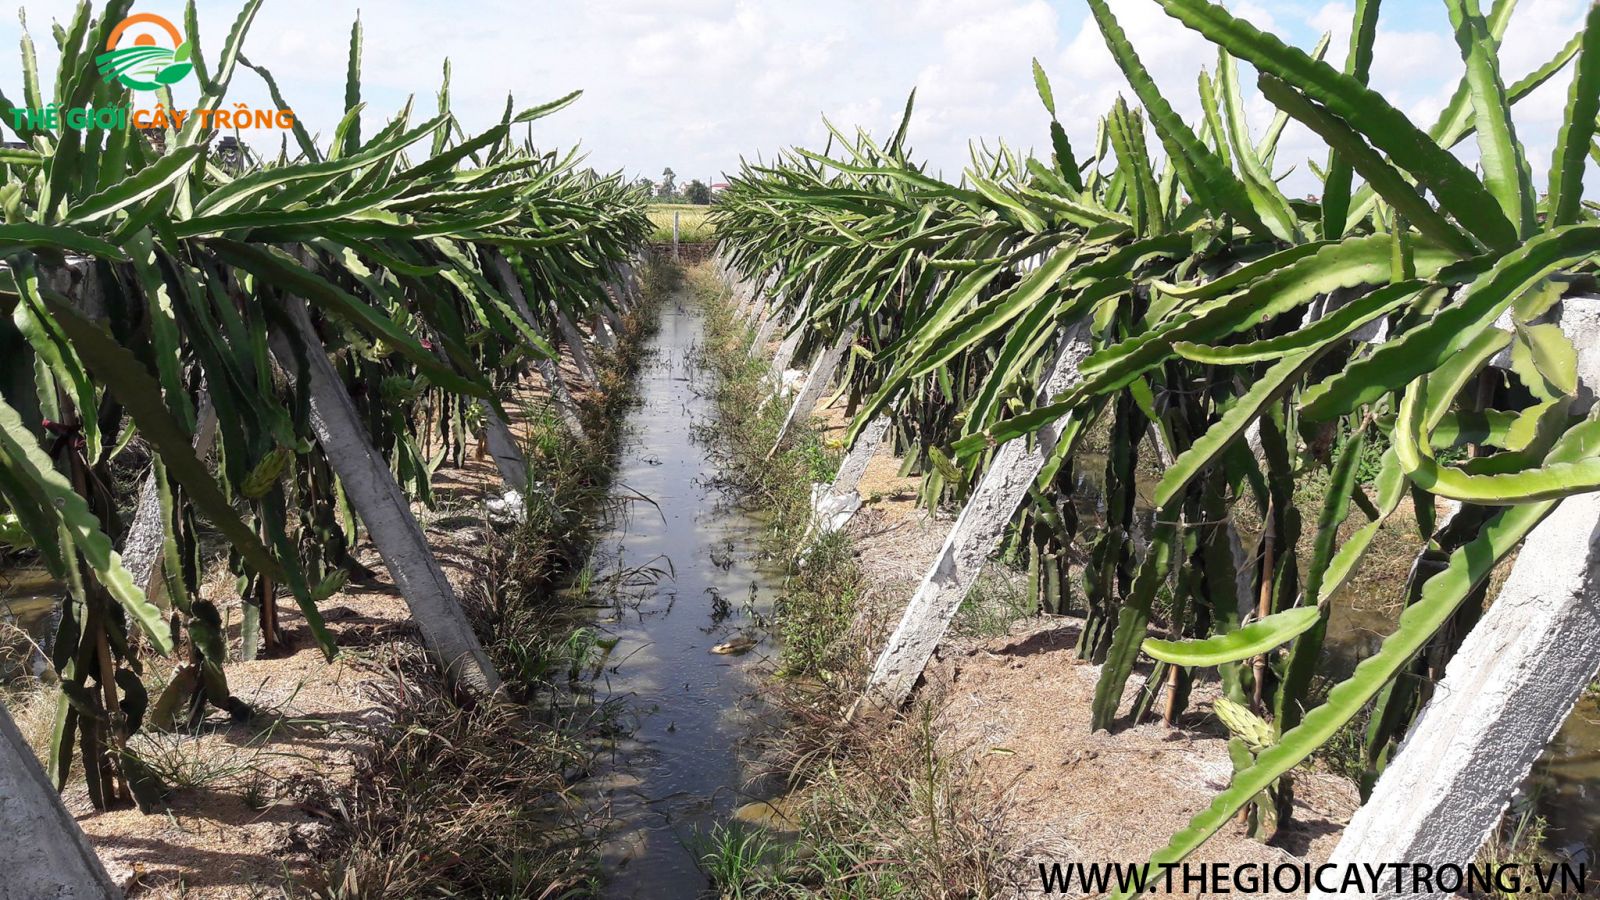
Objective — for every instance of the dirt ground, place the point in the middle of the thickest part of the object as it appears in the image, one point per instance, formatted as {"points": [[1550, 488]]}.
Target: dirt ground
{"points": [[250, 808], [1014, 711], [254, 812], [1018, 707]]}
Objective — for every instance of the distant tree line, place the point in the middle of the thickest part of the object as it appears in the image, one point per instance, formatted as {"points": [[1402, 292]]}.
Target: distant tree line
{"points": [[667, 190]]}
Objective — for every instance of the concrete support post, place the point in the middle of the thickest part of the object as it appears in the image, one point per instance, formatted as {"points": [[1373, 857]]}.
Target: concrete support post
{"points": [[855, 462], [44, 853], [560, 397], [753, 302], [1507, 690], [752, 296], [833, 505], [574, 341], [384, 509], [501, 444], [974, 537], [1504, 696], [504, 449], [764, 333], [785, 354], [602, 332], [141, 549], [816, 383]]}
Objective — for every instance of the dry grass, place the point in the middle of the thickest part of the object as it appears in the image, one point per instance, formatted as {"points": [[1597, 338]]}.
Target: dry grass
{"points": [[883, 811], [462, 802], [32, 706]]}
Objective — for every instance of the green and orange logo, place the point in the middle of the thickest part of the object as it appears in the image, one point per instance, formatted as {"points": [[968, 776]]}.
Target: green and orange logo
{"points": [[156, 54]]}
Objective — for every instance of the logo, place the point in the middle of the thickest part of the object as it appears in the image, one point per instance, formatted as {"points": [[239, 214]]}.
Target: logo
{"points": [[156, 53], [144, 53]]}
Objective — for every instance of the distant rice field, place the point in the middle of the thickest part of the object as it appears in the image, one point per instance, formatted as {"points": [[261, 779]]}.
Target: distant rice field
{"points": [[694, 224]]}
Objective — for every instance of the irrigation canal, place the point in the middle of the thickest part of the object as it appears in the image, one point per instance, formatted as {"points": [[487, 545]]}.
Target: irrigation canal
{"points": [[690, 584]]}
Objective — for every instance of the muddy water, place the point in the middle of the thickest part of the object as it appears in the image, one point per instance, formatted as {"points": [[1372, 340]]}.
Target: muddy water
{"points": [[30, 604], [689, 557]]}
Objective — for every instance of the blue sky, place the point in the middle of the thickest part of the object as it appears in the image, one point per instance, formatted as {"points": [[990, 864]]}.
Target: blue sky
{"points": [[695, 84]]}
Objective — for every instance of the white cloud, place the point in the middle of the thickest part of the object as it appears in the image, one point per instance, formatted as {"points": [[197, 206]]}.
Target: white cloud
{"points": [[1334, 19], [1540, 28]]}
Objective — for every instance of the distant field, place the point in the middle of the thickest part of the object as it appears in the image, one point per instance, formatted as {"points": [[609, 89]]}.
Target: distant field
{"points": [[693, 224]]}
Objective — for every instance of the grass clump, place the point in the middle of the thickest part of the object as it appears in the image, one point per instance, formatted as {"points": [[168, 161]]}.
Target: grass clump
{"points": [[881, 812], [995, 604], [1522, 840], [749, 421], [817, 609], [451, 801]]}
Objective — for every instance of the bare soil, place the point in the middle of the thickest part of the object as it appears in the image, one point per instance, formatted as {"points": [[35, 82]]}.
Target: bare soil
{"points": [[1018, 708]]}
